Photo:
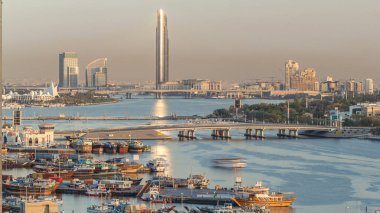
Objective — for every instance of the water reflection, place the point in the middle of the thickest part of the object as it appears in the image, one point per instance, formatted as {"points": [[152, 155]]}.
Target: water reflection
{"points": [[160, 108], [162, 151]]}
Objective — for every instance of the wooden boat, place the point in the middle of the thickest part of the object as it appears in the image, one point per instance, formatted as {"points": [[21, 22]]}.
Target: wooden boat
{"points": [[101, 167], [30, 186], [84, 171], [97, 148], [4, 149], [130, 167], [122, 148], [42, 168], [135, 146], [116, 185], [259, 195], [63, 174], [198, 181], [101, 190], [123, 177], [272, 200], [110, 148], [83, 146]]}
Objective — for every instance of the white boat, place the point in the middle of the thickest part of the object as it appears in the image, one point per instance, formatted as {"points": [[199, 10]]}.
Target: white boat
{"points": [[230, 162], [198, 181], [157, 165], [153, 194], [100, 190]]}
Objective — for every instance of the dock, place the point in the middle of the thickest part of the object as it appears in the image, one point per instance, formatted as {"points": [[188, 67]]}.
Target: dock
{"points": [[197, 196], [41, 150], [65, 189]]}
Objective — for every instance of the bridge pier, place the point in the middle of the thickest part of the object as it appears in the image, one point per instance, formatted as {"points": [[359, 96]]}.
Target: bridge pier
{"points": [[188, 134], [259, 133], [128, 95], [221, 133], [248, 133], [292, 133], [282, 133]]}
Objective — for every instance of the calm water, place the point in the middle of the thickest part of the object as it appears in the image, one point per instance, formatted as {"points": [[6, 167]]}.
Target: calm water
{"points": [[327, 175]]}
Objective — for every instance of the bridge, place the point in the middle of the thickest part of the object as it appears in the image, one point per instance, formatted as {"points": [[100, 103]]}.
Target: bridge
{"points": [[189, 92], [219, 129]]}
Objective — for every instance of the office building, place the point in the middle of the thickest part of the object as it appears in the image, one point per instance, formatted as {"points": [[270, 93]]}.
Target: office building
{"points": [[304, 81], [291, 68], [353, 88], [368, 86], [162, 49], [68, 70], [97, 73], [329, 85]]}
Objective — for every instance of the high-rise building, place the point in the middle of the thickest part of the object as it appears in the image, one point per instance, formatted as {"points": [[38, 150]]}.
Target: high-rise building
{"points": [[68, 70], [291, 68], [353, 88], [97, 73], [162, 49], [305, 80], [368, 86]]}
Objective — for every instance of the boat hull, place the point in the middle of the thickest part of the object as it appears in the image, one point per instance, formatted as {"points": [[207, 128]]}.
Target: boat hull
{"points": [[266, 202], [22, 190]]}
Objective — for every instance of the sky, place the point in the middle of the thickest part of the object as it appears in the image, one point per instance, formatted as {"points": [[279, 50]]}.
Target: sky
{"points": [[229, 40]]}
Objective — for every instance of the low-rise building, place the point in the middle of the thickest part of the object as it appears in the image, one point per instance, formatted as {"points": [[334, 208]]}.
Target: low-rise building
{"points": [[29, 137], [365, 109]]}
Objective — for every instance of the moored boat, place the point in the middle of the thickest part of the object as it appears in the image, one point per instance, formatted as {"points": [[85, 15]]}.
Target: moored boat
{"points": [[83, 146], [157, 165], [259, 195], [30, 186], [152, 195], [114, 206], [130, 167], [110, 148], [122, 148], [116, 185], [84, 171], [97, 148], [198, 181], [135, 146], [100, 190]]}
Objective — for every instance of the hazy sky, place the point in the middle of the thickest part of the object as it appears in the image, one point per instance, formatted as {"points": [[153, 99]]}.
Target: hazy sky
{"points": [[214, 39]]}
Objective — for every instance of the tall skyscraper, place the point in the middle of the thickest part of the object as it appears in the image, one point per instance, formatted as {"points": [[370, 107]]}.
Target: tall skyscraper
{"points": [[368, 86], [162, 49], [291, 68], [97, 73], [68, 70]]}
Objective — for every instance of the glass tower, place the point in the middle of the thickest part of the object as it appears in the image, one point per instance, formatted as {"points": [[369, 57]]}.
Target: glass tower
{"points": [[68, 70], [96, 73], [162, 49]]}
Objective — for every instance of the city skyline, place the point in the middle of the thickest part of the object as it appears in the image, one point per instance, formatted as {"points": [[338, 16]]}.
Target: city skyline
{"points": [[238, 44]]}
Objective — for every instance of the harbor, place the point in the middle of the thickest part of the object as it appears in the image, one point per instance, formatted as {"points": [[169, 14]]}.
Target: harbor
{"points": [[258, 158]]}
